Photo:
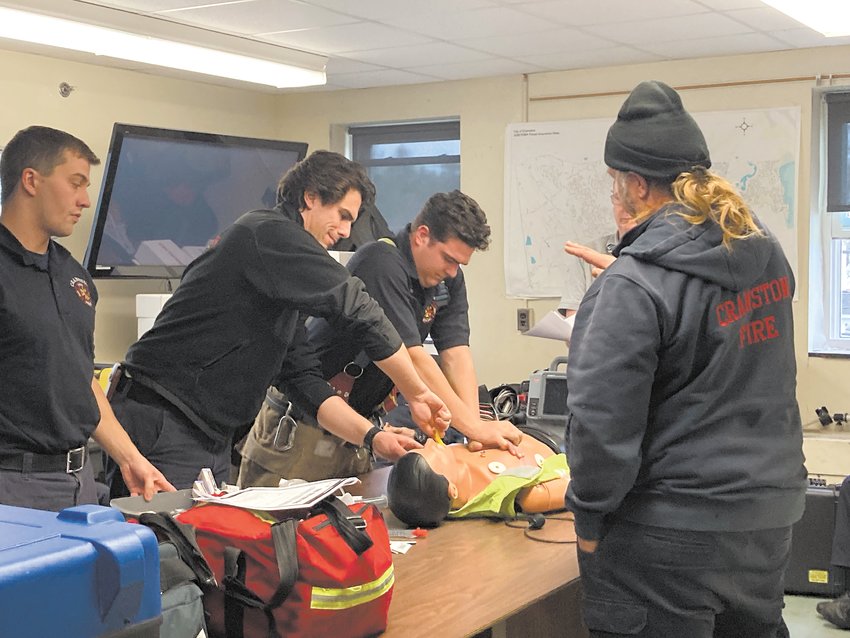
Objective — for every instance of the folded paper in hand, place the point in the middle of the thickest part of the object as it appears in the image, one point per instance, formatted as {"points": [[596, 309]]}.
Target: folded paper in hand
{"points": [[553, 326]]}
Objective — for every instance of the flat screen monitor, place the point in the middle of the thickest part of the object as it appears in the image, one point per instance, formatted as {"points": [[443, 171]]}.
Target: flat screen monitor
{"points": [[167, 193]]}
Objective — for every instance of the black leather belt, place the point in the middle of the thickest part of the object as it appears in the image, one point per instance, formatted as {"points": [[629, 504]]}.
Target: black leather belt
{"points": [[70, 462], [134, 391]]}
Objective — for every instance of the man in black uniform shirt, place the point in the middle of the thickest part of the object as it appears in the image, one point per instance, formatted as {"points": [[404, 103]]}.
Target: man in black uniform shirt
{"points": [[237, 320], [49, 401], [417, 281]]}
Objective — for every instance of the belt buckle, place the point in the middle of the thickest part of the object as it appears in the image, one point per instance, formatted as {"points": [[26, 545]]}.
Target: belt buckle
{"points": [[358, 521], [78, 455]]}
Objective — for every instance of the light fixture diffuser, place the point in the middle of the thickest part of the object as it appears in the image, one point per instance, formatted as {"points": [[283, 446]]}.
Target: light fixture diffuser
{"points": [[142, 44], [829, 17]]}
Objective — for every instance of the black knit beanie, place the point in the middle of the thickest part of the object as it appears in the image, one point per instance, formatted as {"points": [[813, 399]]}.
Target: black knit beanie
{"points": [[654, 136]]}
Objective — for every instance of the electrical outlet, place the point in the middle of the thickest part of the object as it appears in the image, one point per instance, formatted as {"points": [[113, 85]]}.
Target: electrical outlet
{"points": [[523, 319]]}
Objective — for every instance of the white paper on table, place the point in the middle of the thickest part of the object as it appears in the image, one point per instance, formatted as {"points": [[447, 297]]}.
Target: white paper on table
{"points": [[401, 547], [553, 326], [271, 499]]}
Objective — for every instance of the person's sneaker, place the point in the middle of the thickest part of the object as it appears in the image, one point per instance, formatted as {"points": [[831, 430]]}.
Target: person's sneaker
{"points": [[836, 611]]}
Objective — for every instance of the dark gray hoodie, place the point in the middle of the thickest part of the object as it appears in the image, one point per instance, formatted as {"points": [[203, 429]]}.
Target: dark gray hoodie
{"points": [[682, 385]]}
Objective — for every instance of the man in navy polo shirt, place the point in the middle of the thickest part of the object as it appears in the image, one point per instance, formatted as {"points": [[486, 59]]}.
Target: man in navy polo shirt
{"points": [[49, 401]]}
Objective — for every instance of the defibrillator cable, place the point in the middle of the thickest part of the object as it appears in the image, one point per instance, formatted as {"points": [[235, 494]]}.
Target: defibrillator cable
{"points": [[529, 530]]}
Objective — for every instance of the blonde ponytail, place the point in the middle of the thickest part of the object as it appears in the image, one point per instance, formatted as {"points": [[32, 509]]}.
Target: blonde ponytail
{"points": [[712, 197]]}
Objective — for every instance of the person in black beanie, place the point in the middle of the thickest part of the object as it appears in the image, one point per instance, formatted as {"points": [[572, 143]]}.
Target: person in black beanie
{"points": [[684, 433]]}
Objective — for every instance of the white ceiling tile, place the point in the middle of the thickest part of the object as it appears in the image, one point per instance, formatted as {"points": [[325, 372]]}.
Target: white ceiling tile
{"points": [[260, 16], [663, 29], [350, 37], [590, 59], [469, 24], [151, 6], [378, 9], [715, 46], [730, 5], [764, 19], [537, 43], [384, 77], [482, 68], [337, 64], [588, 12], [805, 38], [419, 55]]}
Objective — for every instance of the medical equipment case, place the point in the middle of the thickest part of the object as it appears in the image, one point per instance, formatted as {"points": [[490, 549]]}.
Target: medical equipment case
{"points": [[82, 572], [809, 570]]}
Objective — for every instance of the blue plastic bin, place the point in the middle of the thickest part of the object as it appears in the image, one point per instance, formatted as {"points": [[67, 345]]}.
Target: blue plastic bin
{"points": [[81, 573]]}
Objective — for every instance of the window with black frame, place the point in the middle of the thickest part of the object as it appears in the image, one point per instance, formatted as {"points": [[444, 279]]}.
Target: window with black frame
{"points": [[829, 310], [408, 163]]}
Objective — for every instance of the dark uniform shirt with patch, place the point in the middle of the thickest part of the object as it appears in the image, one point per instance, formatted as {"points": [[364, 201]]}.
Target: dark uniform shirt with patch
{"points": [[238, 316], [46, 350], [389, 273]]}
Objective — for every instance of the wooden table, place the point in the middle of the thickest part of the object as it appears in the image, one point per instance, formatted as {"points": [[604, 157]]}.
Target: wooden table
{"points": [[470, 575]]}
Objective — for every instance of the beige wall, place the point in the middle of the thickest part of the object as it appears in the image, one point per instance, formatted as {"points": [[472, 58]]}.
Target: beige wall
{"points": [[485, 107]]}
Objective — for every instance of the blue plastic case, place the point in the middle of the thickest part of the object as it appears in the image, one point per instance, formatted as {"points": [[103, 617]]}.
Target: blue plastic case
{"points": [[81, 573]]}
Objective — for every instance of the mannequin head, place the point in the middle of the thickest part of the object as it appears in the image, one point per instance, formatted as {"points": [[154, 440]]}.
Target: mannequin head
{"points": [[417, 494]]}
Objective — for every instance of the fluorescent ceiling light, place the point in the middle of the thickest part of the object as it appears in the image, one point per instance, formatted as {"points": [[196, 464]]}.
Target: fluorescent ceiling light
{"points": [[830, 17], [64, 33]]}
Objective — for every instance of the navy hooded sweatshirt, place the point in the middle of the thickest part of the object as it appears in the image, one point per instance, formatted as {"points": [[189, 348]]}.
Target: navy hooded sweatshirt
{"points": [[682, 385]]}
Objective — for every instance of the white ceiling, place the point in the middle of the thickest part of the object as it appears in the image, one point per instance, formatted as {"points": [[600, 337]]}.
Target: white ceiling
{"points": [[389, 42]]}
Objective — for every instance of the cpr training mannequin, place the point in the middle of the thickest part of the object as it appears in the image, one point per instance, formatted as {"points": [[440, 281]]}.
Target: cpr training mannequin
{"points": [[439, 481]]}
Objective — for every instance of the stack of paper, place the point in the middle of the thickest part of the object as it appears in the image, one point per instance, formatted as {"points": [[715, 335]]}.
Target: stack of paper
{"points": [[272, 499]]}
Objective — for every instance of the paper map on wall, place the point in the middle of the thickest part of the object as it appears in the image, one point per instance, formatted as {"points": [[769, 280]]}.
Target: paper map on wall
{"points": [[557, 188]]}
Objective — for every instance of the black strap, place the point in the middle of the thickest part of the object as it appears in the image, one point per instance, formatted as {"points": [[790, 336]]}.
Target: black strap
{"points": [[170, 399], [286, 554], [342, 518], [237, 597], [183, 538]]}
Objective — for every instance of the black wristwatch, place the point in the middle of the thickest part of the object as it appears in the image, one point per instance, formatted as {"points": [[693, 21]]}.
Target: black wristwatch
{"points": [[370, 435]]}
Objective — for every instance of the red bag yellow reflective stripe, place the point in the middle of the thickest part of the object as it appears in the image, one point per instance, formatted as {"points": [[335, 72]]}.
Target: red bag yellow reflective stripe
{"points": [[344, 581], [347, 597]]}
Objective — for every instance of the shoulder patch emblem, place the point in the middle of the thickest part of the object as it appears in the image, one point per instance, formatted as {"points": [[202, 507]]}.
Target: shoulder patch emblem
{"points": [[82, 289]]}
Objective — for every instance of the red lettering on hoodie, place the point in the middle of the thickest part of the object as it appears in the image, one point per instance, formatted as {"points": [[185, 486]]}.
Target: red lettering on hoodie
{"points": [[757, 331], [763, 294]]}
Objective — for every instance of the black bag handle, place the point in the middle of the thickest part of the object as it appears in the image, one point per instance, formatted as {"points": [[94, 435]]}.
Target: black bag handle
{"points": [[286, 555], [183, 538], [341, 517], [237, 596]]}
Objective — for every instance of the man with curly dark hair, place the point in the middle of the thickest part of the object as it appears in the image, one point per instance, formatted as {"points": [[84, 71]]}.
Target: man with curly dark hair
{"points": [[235, 325]]}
